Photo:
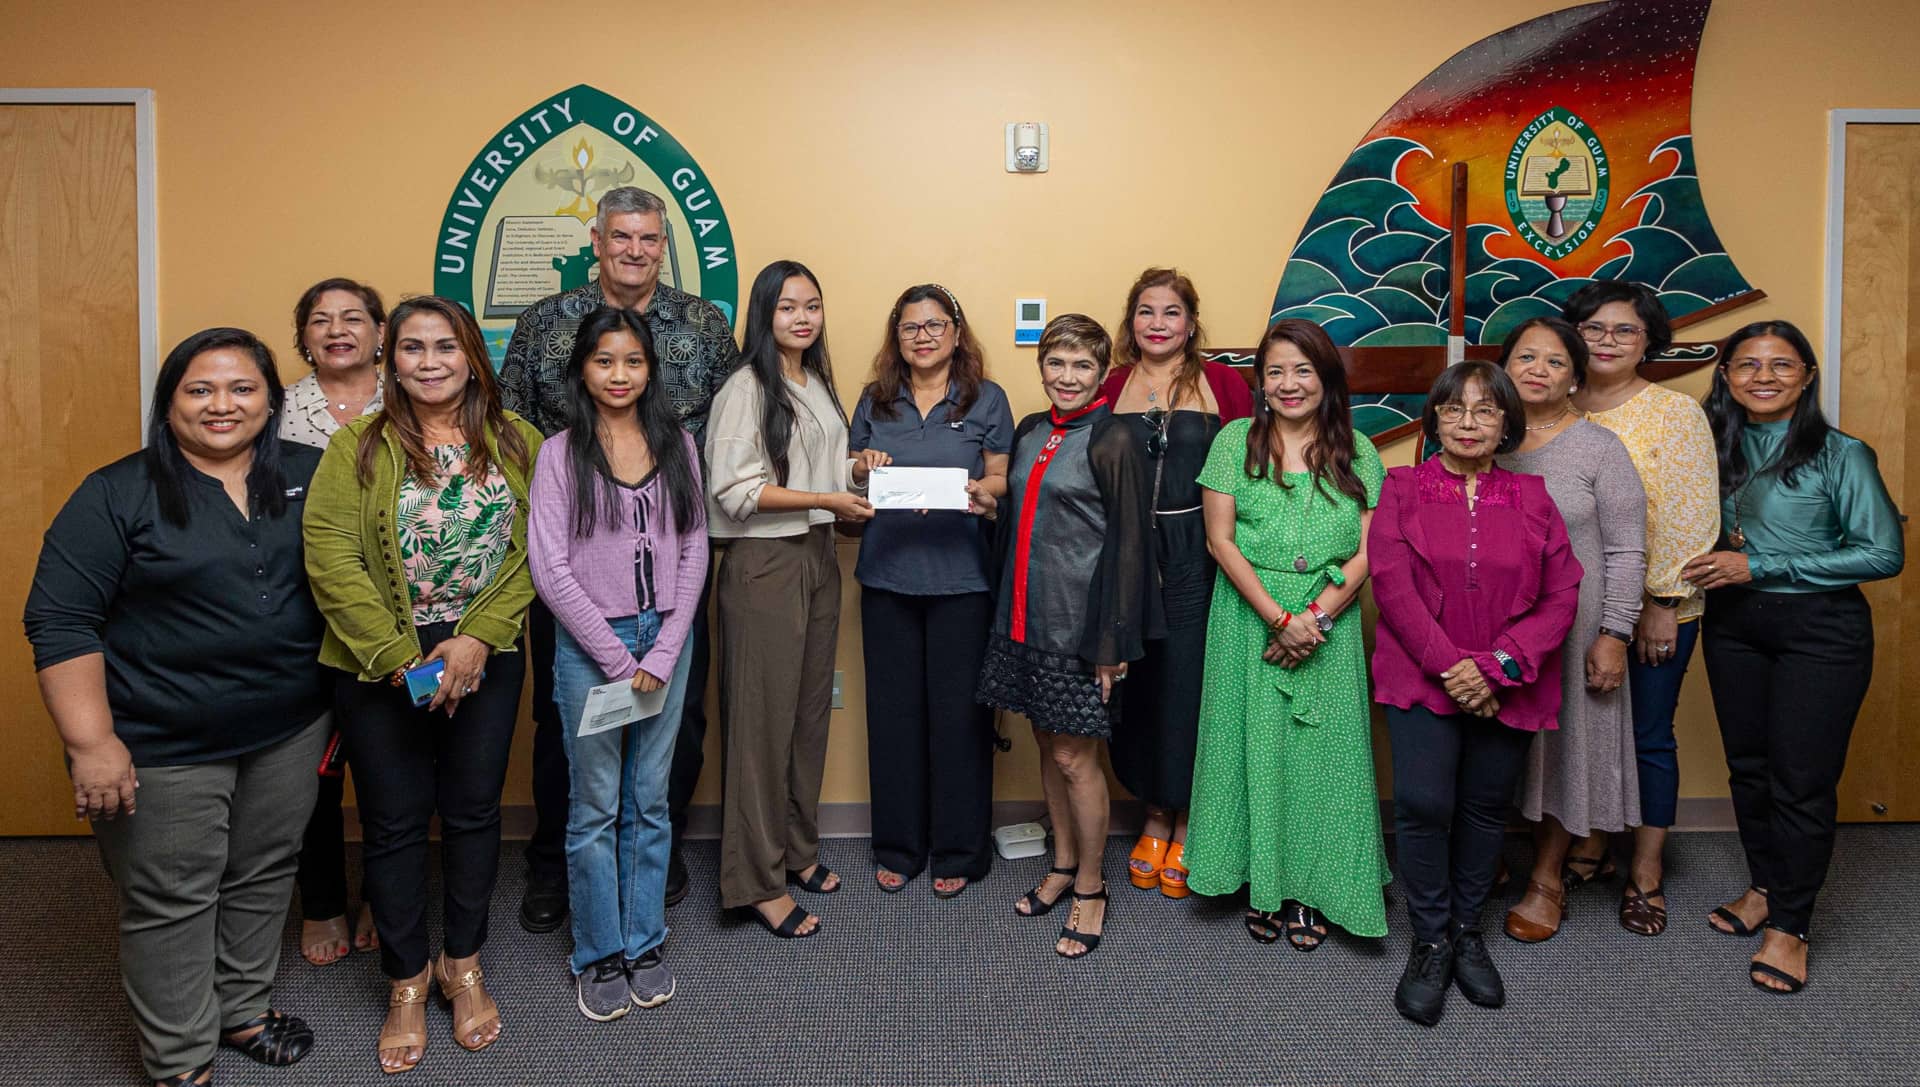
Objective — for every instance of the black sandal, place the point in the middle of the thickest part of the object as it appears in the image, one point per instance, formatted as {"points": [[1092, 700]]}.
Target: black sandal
{"points": [[1040, 907], [1263, 925], [1591, 868], [280, 1041], [789, 926], [1756, 969], [190, 1078], [1300, 920], [1086, 940], [1735, 926], [817, 883]]}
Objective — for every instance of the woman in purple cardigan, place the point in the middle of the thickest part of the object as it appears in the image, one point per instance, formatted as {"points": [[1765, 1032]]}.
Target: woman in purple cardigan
{"points": [[617, 543], [1477, 587]]}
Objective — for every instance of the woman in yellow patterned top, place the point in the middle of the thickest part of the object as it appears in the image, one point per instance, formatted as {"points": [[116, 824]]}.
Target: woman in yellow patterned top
{"points": [[1667, 436]]}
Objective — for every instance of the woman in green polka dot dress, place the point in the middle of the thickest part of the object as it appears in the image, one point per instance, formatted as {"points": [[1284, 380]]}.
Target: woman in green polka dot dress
{"points": [[1283, 792]]}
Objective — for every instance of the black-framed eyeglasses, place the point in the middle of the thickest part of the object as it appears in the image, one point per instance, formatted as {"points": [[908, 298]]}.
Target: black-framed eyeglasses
{"points": [[935, 328], [1156, 420]]}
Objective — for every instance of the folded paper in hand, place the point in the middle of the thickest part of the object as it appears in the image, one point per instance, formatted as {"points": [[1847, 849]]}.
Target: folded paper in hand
{"points": [[615, 704], [896, 488]]}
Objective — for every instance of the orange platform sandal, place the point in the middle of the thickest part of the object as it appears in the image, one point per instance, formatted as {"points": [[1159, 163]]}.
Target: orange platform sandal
{"points": [[1173, 874], [1143, 864]]}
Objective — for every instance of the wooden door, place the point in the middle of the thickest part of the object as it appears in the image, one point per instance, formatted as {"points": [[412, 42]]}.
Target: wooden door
{"points": [[1880, 404], [69, 385]]}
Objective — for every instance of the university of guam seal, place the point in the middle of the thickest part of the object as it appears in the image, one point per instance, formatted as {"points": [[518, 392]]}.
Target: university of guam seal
{"points": [[516, 226], [1556, 182]]}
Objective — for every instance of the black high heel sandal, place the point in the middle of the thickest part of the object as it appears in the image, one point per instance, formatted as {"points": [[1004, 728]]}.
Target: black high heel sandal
{"points": [[1086, 940], [1756, 970], [1300, 920], [1735, 926], [1263, 925], [280, 1041], [1040, 907]]}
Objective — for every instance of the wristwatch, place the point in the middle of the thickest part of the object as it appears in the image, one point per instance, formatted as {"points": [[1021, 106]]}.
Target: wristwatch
{"points": [[1667, 602], [1612, 633], [1320, 618], [1507, 664]]}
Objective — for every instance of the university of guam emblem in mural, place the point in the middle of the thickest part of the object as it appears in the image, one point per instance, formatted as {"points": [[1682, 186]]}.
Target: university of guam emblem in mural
{"points": [[1556, 182], [516, 227]]}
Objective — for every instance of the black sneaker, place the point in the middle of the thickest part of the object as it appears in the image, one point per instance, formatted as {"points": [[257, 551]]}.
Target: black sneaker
{"points": [[649, 982], [1474, 972], [602, 990], [678, 882], [544, 905], [1422, 993]]}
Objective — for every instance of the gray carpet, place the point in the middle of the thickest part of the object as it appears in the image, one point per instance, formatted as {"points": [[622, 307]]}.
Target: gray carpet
{"points": [[906, 989]]}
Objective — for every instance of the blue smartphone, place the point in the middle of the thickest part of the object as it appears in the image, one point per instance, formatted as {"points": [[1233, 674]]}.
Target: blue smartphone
{"points": [[424, 681]]}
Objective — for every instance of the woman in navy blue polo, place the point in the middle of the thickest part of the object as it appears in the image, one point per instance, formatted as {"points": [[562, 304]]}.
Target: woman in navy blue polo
{"points": [[925, 599]]}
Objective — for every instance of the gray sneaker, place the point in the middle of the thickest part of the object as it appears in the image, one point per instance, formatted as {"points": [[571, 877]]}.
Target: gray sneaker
{"points": [[649, 981], [603, 990]]}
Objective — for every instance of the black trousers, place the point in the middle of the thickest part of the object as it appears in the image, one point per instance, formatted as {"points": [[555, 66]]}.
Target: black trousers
{"points": [[1453, 781], [929, 744], [323, 855], [411, 764], [547, 850], [1789, 672]]}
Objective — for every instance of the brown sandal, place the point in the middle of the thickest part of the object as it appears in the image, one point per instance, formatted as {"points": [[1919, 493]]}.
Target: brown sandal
{"points": [[403, 1029], [1639, 915], [1528, 931], [452, 989]]}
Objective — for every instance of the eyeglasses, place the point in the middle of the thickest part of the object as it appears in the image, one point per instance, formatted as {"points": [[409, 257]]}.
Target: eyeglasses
{"points": [[1156, 420], [1594, 332], [935, 328], [1744, 370], [1482, 413]]}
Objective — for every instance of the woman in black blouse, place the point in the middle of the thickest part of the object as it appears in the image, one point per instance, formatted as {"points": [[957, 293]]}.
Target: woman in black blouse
{"points": [[1076, 602], [177, 647]]}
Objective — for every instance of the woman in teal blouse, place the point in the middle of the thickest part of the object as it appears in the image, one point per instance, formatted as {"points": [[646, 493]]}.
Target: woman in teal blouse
{"points": [[1805, 518]]}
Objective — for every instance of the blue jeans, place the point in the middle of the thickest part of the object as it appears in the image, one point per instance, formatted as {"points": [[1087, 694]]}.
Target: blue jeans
{"points": [[1655, 691], [618, 834]]}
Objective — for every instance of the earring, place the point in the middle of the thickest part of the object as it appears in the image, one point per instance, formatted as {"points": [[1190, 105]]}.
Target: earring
{"points": [[378, 351], [307, 355]]}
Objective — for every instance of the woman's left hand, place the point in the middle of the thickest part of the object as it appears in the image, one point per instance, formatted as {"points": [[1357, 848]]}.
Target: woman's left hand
{"points": [[466, 658], [1718, 569], [1110, 674], [1606, 664], [980, 501], [865, 461]]}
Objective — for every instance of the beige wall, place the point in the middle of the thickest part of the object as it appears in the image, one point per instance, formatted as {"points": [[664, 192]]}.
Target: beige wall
{"points": [[865, 138]]}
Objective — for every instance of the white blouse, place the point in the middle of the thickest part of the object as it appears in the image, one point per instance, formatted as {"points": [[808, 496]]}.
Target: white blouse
{"points": [[304, 417], [737, 465]]}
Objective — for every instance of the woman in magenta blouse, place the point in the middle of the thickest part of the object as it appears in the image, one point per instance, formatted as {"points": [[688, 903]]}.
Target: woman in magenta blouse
{"points": [[1477, 586]]}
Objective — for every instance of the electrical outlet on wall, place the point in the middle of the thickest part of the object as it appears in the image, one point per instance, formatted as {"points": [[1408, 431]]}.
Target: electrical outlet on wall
{"points": [[839, 677]]}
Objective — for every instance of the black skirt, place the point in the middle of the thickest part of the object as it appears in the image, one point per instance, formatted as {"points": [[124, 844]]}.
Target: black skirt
{"points": [[1057, 693]]}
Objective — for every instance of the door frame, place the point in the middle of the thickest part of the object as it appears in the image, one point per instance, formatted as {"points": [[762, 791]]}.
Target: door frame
{"points": [[1837, 122], [145, 203]]}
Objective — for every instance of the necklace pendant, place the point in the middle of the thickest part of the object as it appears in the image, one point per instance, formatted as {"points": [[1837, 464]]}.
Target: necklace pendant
{"points": [[1152, 396], [1300, 563], [1737, 538]]}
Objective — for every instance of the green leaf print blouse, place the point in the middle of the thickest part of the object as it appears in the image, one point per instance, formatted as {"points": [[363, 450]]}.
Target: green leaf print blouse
{"points": [[453, 533]]}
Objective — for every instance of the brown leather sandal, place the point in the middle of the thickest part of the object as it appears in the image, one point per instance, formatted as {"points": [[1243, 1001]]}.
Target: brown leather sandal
{"points": [[404, 1029], [1528, 931], [1639, 915], [469, 983]]}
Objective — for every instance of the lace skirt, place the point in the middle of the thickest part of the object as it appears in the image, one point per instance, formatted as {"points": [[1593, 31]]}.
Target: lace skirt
{"points": [[1057, 693]]}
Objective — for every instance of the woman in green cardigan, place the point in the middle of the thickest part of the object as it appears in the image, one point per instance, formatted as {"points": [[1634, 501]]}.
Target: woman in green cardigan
{"points": [[416, 542]]}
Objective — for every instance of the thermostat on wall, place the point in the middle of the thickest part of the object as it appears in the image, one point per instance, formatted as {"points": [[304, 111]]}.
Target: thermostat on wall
{"points": [[1029, 318]]}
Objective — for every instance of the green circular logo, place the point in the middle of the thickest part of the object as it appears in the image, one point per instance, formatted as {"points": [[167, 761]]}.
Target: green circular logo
{"points": [[516, 227], [1556, 182]]}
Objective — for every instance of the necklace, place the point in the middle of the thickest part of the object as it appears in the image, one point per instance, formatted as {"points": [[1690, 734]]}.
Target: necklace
{"points": [[1556, 419], [1153, 391], [1738, 537]]}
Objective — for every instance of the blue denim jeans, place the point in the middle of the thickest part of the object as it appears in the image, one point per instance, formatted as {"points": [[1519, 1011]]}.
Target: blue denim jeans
{"points": [[618, 834], [1655, 693]]}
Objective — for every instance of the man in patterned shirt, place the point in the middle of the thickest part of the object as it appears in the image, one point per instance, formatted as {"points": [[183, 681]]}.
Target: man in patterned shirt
{"points": [[695, 343]]}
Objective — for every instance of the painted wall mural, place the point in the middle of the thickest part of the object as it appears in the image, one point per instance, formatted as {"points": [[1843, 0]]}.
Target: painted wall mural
{"points": [[1576, 131]]}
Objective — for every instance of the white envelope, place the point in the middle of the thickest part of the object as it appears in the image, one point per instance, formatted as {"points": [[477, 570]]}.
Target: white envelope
{"points": [[896, 488], [614, 705]]}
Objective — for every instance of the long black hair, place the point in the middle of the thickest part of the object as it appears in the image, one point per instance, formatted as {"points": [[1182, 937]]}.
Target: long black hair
{"points": [[1806, 430], [1330, 458], [761, 354], [592, 474], [266, 483]]}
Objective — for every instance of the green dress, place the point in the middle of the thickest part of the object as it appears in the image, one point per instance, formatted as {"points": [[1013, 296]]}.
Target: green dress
{"points": [[1283, 791]]}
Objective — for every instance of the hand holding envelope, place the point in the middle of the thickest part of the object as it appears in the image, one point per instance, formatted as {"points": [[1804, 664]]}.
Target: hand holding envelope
{"points": [[896, 488]]}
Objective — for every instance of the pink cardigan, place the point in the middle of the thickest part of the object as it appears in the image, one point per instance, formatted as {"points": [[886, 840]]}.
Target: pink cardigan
{"points": [[1452, 584], [587, 582], [1229, 389]]}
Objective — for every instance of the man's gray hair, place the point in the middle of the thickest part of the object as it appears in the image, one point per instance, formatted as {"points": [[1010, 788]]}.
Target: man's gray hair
{"points": [[625, 199]]}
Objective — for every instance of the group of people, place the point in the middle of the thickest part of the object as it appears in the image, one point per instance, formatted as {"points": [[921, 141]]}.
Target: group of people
{"points": [[362, 569]]}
